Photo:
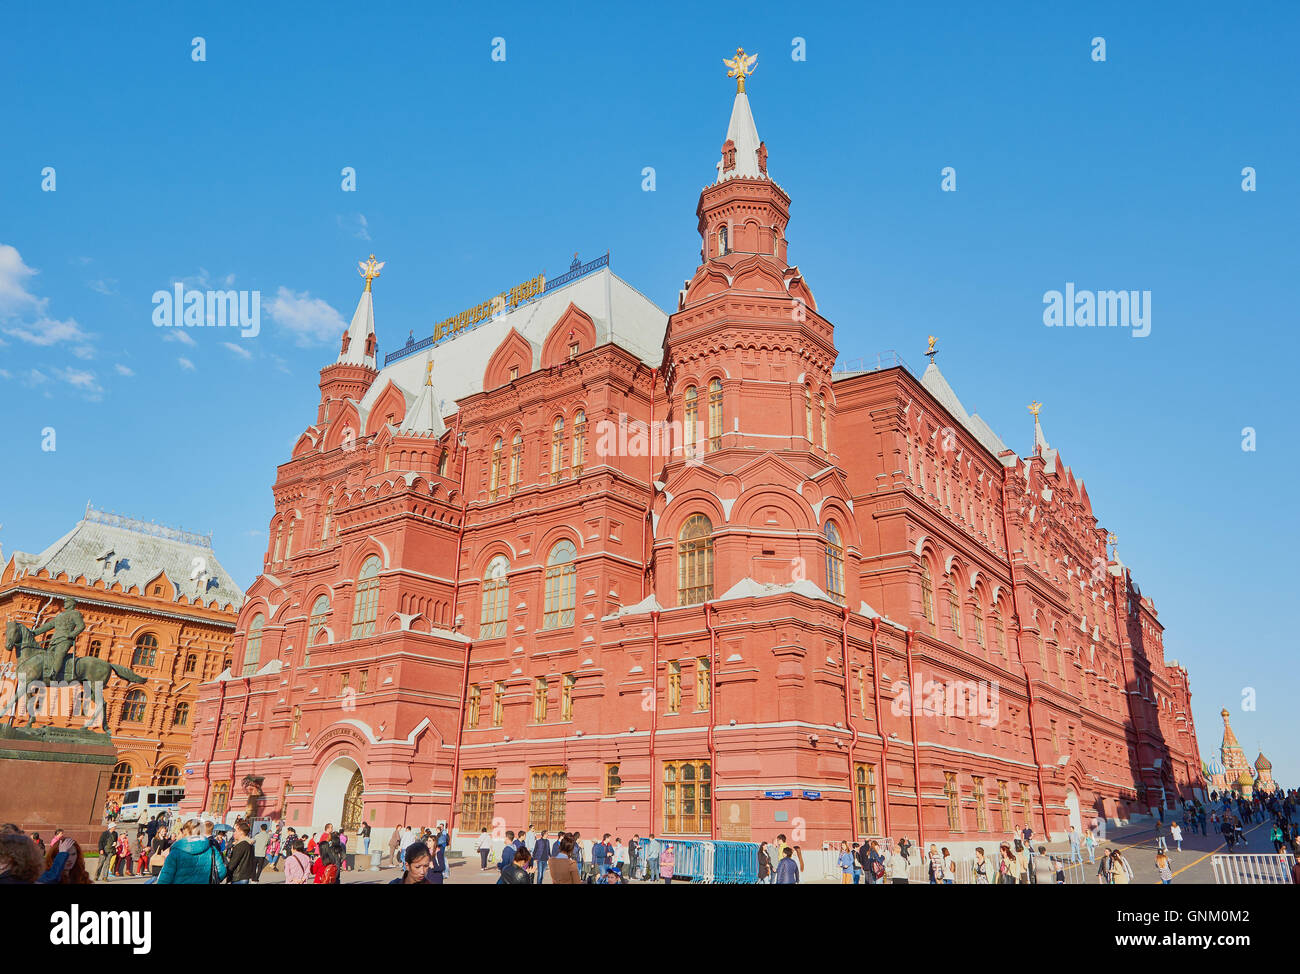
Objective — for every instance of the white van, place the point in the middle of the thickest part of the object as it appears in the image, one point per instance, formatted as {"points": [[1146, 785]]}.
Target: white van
{"points": [[145, 803]]}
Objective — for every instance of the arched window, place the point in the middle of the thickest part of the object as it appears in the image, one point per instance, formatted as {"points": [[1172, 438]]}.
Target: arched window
{"points": [[577, 461], [253, 644], [182, 715], [954, 608], [279, 530], [695, 561], [288, 546], [169, 777], [325, 523], [365, 608], [927, 593], [691, 420], [999, 632], [496, 598], [834, 563], [516, 461], [715, 414], [808, 414], [133, 705], [120, 779], [443, 459], [557, 450], [494, 485], [687, 803], [561, 586], [979, 623], [95, 648], [821, 408], [320, 610], [146, 651], [191, 663], [722, 241]]}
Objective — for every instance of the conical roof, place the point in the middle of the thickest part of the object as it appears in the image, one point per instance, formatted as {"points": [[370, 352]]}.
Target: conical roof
{"points": [[742, 132], [424, 418]]}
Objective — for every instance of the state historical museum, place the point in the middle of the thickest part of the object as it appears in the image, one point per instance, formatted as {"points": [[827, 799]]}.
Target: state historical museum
{"points": [[573, 561]]}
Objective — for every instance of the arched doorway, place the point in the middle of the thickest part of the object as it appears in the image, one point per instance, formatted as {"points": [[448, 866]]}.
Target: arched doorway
{"points": [[339, 789], [352, 804], [1072, 807]]}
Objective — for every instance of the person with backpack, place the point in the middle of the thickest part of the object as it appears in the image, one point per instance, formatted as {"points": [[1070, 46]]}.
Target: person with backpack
{"points": [[297, 865], [1044, 868], [192, 859], [874, 863]]}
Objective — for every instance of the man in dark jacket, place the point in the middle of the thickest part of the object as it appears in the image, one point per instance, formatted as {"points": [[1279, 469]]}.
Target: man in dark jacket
{"points": [[107, 840], [598, 858], [507, 853], [542, 854], [240, 861]]}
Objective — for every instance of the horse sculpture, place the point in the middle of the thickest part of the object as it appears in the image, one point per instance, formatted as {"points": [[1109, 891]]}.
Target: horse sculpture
{"points": [[78, 669]]}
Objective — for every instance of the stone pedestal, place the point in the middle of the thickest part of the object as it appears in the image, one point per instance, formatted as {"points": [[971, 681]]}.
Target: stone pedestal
{"points": [[55, 778]]}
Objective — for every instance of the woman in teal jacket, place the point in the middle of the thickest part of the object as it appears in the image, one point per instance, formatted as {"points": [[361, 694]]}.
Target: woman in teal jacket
{"points": [[192, 859]]}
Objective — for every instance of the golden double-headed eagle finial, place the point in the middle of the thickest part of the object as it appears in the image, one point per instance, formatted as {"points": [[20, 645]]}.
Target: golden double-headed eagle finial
{"points": [[1034, 407], [370, 269], [741, 67], [1112, 538]]}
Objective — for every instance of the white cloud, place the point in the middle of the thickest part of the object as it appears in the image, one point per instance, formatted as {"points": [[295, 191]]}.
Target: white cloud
{"points": [[357, 224], [80, 380], [84, 352], [103, 287], [5, 374], [186, 364], [34, 378], [47, 331], [310, 320], [238, 350], [178, 335], [123, 370], [14, 296]]}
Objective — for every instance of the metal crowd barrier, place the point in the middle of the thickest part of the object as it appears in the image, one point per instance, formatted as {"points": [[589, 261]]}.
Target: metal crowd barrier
{"points": [[714, 862], [1252, 868]]}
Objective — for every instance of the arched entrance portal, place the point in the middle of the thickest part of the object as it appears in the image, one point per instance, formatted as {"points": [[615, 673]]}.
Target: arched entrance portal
{"points": [[1072, 806], [339, 796], [352, 804]]}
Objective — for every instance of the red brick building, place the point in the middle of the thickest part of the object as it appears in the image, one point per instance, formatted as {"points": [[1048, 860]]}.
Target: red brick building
{"points": [[489, 593], [155, 600]]}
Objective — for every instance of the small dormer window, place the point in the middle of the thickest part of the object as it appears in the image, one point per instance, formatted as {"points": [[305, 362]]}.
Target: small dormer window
{"points": [[722, 242], [514, 372], [573, 350]]}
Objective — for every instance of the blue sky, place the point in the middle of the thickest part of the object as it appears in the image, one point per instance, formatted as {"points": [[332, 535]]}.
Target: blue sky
{"points": [[474, 174]]}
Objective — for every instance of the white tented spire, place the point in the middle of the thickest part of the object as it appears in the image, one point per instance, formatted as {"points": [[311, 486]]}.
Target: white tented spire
{"points": [[744, 135], [423, 419], [359, 332], [360, 345]]}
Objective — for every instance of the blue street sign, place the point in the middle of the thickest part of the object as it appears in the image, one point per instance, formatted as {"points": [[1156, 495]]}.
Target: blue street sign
{"points": [[778, 794], [812, 794]]}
